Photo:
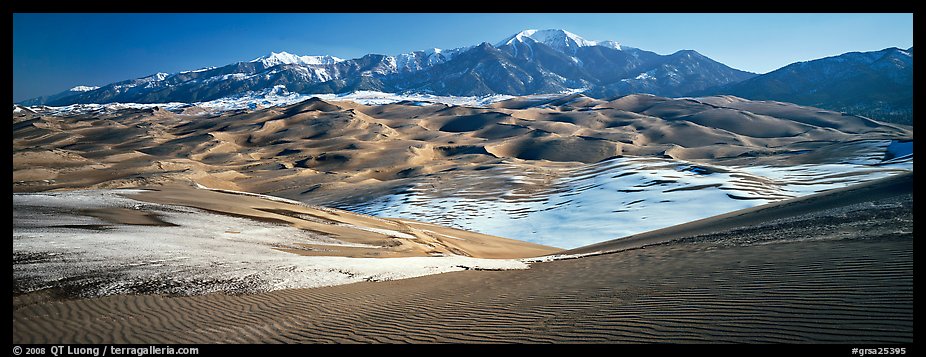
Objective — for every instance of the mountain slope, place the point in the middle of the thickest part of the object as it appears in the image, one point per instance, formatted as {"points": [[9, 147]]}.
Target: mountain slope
{"points": [[877, 84], [675, 75], [59, 96]]}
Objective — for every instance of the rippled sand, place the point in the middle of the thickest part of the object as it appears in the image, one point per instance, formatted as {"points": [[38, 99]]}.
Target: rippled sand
{"points": [[840, 270]]}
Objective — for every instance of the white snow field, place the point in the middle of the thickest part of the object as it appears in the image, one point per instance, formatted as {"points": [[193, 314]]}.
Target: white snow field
{"points": [[202, 252]]}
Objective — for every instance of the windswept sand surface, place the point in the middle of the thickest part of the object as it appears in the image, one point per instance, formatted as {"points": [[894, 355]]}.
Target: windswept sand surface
{"points": [[838, 269]]}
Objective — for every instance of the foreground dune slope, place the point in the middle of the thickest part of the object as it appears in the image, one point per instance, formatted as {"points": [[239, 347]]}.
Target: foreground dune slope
{"points": [[838, 270]]}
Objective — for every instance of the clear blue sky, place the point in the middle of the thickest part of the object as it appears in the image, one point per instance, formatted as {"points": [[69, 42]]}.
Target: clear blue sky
{"points": [[53, 52]]}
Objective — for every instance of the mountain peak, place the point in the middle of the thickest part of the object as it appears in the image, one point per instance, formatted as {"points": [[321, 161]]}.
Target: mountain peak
{"points": [[278, 58], [907, 52], [562, 40], [688, 53]]}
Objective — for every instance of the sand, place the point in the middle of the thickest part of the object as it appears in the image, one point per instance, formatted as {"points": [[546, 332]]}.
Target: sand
{"points": [[829, 267], [526, 168], [837, 270], [339, 146]]}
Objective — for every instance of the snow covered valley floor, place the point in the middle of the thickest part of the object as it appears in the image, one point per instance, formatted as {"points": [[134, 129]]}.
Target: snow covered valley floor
{"points": [[569, 206]]}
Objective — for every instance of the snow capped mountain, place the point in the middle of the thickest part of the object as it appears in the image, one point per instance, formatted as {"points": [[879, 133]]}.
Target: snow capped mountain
{"points": [[529, 62], [560, 40], [275, 59]]}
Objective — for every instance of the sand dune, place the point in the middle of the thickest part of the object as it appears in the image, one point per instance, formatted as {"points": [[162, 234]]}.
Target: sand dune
{"points": [[456, 165], [540, 145], [841, 271], [802, 114], [317, 142], [563, 169]]}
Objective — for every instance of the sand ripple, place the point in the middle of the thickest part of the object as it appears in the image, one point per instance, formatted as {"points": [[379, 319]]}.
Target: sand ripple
{"points": [[845, 291]]}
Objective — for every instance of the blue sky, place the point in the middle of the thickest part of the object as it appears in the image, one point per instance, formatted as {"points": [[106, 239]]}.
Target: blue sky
{"points": [[53, 52]]}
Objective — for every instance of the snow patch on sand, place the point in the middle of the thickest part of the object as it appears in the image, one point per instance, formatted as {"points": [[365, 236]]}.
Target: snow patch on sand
{"points": [[55, 245]]}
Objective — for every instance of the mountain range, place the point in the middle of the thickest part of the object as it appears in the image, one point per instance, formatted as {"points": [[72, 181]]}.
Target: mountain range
{"points": [[878, 84]]}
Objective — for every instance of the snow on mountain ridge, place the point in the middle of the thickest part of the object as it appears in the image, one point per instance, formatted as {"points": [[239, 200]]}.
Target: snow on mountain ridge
{"points": [[418, 60], [562, 40], [431, 70], [160, 76], [83, 88], [199, 70], [317, 69], [611, 44], [278, 58]]}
